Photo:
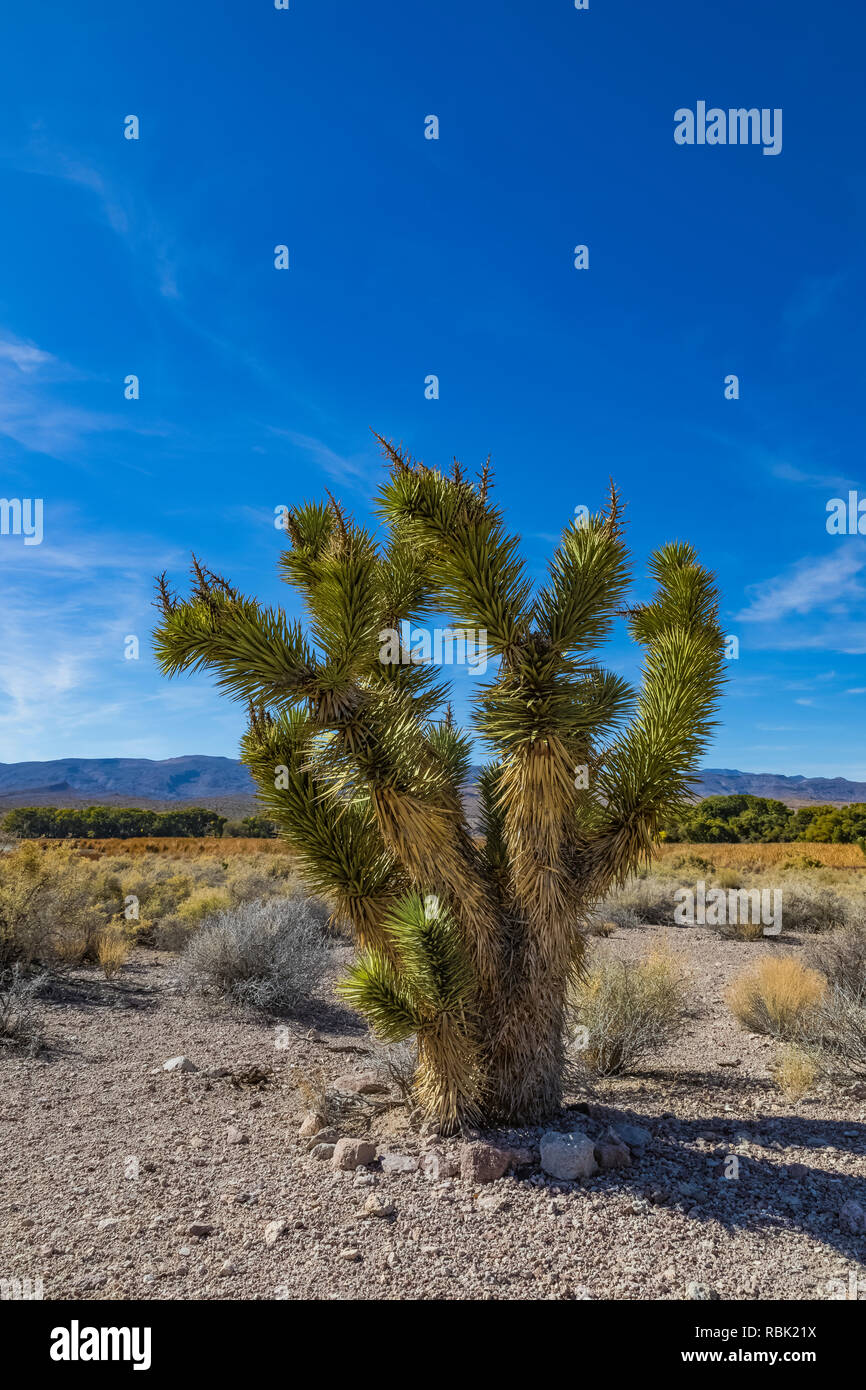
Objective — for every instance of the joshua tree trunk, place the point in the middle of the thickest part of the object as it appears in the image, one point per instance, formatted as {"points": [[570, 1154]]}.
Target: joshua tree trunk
{"points": [[467, 941]]}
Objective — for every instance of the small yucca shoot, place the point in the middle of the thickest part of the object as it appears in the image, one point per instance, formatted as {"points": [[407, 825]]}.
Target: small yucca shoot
{"points": [[468, 942]]}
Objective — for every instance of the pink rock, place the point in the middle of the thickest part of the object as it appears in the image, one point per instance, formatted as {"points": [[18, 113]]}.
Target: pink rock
{"points": [[483, 1162], [352, 1153], [311, 1125], [612, 1156], [365, 1083]]}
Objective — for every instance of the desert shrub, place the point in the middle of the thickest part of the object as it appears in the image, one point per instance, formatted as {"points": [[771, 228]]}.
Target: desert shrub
{"points": [[602, 926], [728, 878], [691, 864], [398, 1063], [622, 1012], [810, 908], [775, 995], [641, 900], [47, 907], [795, 1072], [19, 1013], [171, 933], [202, 903], [842, 960], [836, 1031], [246, 882], [270, 955]]}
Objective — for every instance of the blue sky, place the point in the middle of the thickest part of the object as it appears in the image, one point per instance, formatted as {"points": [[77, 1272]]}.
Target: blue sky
{"points": [[411, 257]]}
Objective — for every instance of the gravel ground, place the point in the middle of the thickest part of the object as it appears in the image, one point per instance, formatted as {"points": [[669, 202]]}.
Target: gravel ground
{"points": [[120, 1180]]}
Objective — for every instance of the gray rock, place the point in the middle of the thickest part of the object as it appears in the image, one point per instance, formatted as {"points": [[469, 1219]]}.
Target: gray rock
{"points": [[199, 1228], [568, 1156], [323, 1151], [274, 1230], [378, 1206], [699, 1292], [633, 1135], [852, 1218], [323, 1136], [398, 1163], [236, 1136], [436, 1165], [179, 1064], [350, 1154]]}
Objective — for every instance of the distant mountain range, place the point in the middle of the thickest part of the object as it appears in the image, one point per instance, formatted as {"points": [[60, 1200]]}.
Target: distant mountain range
{"points": [[796, 791], [204, 780]]}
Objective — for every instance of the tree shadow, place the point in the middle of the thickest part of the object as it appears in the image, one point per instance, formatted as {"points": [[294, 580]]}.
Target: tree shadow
{"points": [[756, 1191]]}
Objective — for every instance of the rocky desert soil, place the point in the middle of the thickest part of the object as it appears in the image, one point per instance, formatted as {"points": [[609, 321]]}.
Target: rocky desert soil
{"points": [[120, 1179]]}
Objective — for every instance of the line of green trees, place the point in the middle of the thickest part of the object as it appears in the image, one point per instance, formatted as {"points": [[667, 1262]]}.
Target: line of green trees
{"points": [[740, 819], [127, 823]]}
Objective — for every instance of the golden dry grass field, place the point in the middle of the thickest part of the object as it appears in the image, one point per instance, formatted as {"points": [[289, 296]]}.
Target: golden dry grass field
{"points": [[174, 846], [754, 856]]}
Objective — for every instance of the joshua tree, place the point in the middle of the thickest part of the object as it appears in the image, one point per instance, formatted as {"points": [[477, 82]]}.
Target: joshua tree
{"points": [[468, 941]]}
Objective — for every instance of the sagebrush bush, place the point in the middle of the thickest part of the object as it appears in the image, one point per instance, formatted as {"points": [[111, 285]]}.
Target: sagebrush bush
{"points": [[269, 955], [642, 900], [837, 1033], [842, 960], [809, 907], [19, 1014], [624, 1011], [776, 995]]}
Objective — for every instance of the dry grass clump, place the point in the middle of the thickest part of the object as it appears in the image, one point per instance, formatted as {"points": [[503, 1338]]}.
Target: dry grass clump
{"points": [[621, 1012], [113, 945], [776, 995], [795, 1072]]}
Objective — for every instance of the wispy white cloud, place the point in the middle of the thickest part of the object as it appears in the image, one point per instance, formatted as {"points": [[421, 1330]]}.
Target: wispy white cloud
{"points": [[788, 473], [31, 412], [351, 470], [130, 216], [811, 584]]}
